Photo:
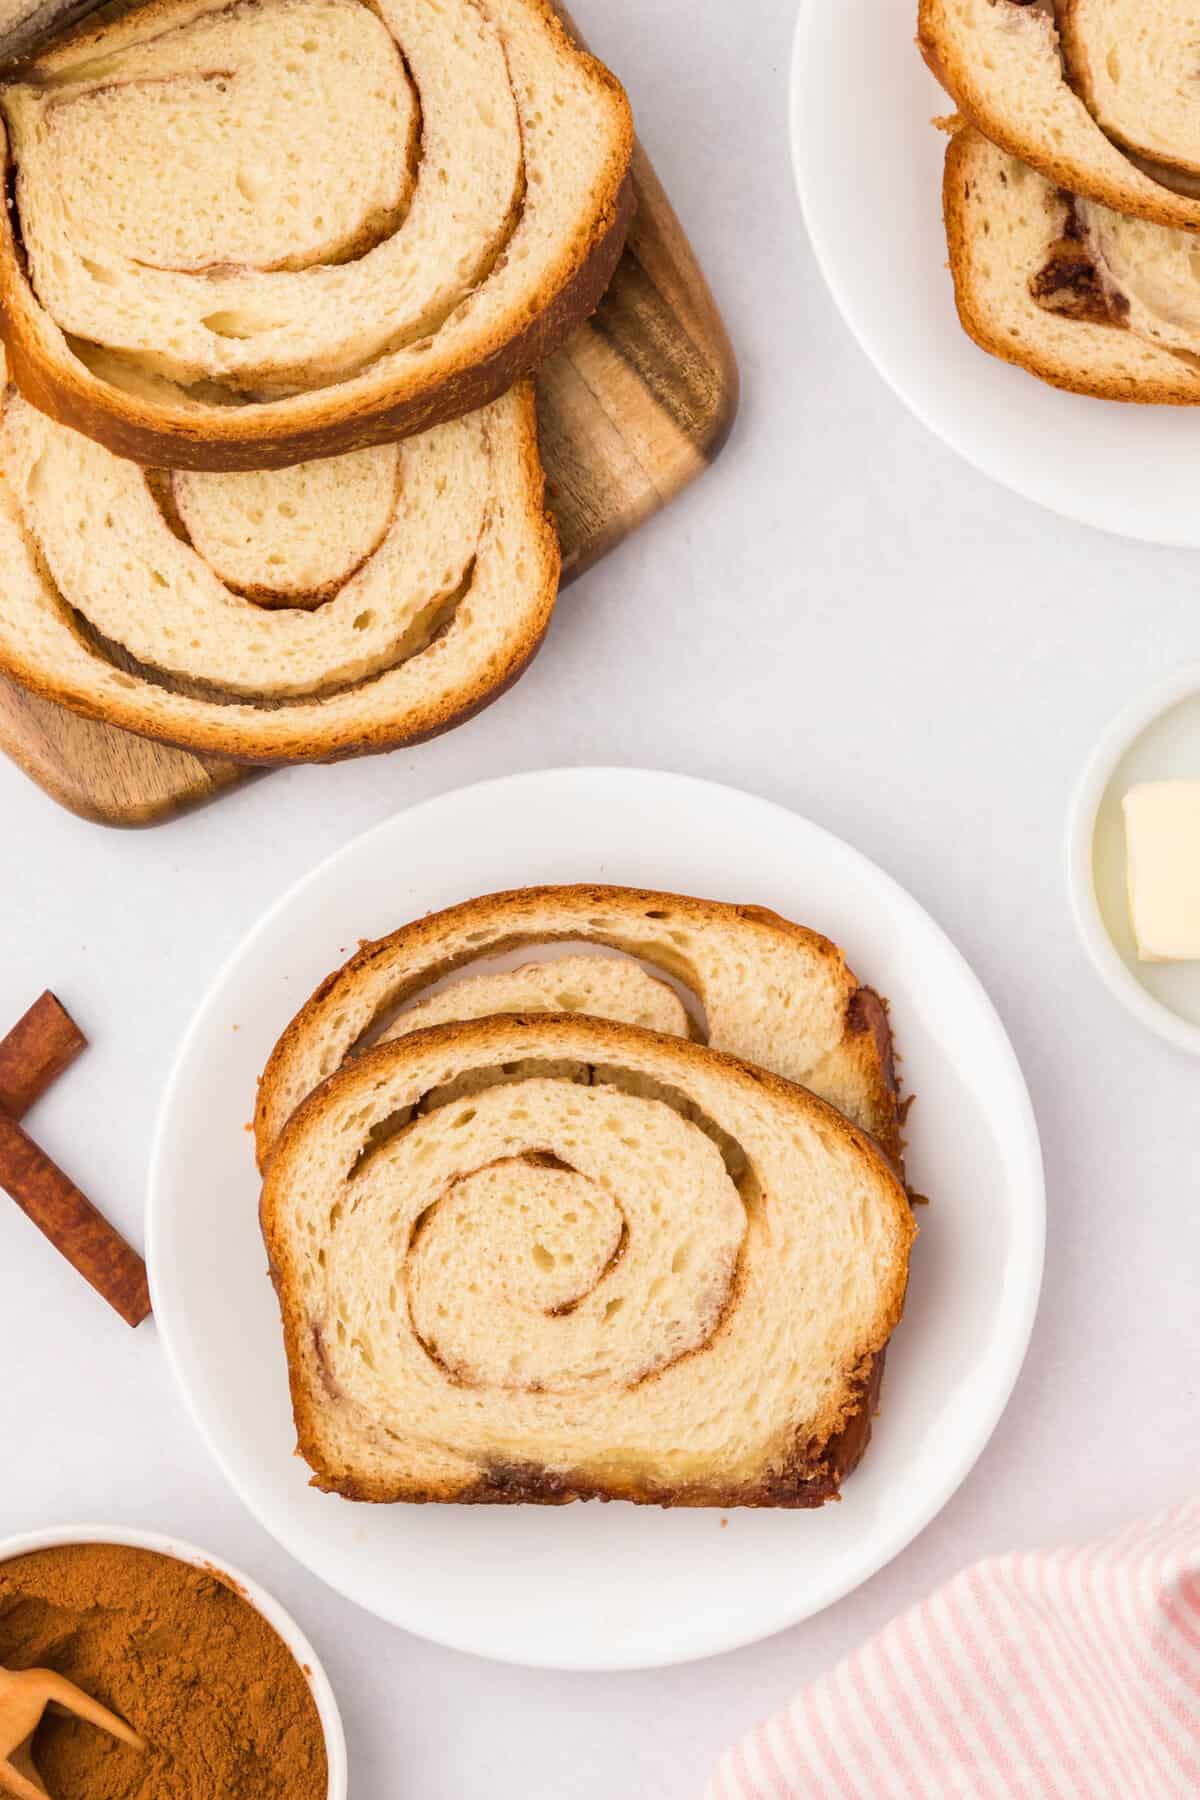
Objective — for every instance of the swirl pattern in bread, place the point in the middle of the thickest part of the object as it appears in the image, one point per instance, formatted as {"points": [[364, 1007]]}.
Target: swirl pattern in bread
{"points": [[245, 233], [673, 1286], [309, 613], [1101, 110], [1134, 63], [764, 989]]}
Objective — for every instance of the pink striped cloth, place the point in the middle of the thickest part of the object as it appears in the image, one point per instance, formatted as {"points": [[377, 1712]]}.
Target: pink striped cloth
{"points": [[1062, 1675]]}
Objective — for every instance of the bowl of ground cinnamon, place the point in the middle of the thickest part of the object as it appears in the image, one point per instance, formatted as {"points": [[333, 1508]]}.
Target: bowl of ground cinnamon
{"points": [[214, 1676]]}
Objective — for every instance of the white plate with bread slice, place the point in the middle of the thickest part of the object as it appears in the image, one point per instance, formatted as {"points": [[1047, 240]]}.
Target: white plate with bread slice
{"points": [[638, 1251], [1071, 203]]}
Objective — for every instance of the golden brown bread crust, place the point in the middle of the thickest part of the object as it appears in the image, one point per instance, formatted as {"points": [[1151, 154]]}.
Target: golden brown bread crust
{"points": [[963, 154], [868, 1031], [275, 434], [443, 716], [815, 1477], [828, 1449], [210, 734], [955, 74], [869, 1027]]}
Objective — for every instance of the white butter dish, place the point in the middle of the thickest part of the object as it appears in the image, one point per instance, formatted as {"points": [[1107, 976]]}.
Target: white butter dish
{"points": [[1155, 739]]}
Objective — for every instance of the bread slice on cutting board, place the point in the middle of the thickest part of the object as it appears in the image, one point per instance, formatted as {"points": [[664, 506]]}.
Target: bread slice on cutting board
{"points": [[672, 1286], [303, 614], [247, 233]]}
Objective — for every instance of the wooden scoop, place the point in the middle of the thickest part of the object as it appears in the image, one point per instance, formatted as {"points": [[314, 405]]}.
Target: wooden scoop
{"points": [[24, 1697]]}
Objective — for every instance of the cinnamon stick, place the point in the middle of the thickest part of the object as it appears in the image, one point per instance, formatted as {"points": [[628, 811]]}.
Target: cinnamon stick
{"points": [[83, 1235], [35, 1052], [37, 1049]]}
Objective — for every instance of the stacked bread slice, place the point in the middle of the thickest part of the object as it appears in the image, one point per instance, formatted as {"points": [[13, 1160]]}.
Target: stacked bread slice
{"points": [[627, 1223], [274, 278], [1072, 188]]}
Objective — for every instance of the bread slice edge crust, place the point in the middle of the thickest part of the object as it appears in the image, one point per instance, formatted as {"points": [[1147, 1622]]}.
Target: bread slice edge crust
{"points": [[817, 1478]]}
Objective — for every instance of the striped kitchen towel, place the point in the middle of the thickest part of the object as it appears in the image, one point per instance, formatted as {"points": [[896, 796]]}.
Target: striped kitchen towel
{"points": [[1062, 1675]]}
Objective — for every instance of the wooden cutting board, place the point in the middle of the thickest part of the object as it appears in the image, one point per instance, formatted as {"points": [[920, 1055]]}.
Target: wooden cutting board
{"points": [[635, 407]]}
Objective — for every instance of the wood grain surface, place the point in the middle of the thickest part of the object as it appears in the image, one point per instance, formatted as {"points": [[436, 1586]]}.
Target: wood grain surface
{"points": [[634, 408]]}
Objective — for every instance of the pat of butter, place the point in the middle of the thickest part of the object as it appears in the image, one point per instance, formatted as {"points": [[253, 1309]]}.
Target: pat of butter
{"points": [[1162, 842]]}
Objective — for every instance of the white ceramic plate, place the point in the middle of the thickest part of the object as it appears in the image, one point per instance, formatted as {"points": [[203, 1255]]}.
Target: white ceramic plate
{"points": [[281, 1621], [607, 1587], [869, 167], [1156, 738]]}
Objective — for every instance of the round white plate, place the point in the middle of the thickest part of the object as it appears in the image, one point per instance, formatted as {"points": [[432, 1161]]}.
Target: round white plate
{"points": [[1156, 738], [589, 1586], [869, 167]]}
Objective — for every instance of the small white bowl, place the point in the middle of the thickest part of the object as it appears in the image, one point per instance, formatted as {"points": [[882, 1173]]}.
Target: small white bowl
{"points": [[1155, 738], [57, 1536]]}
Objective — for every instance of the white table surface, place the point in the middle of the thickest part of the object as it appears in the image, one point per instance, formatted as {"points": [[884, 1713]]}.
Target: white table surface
{"points": [[845, 618]]}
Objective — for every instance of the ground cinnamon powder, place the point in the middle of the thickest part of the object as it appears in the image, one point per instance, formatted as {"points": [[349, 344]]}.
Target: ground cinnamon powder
{"points": [[199, 1674]]}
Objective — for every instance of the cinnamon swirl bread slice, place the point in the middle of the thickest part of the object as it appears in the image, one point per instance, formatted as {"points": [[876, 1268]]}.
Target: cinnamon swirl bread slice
{"points": [[306, 614], [246, 233], [673, 1287], [1082, 297], [761, 988]]}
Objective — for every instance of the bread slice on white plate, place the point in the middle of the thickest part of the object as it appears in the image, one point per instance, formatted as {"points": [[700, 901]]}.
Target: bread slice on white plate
{"points": [[1080, 296], [247, 233], [675, 1295], [1002, 62], [303, 614], [762, 988]]}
